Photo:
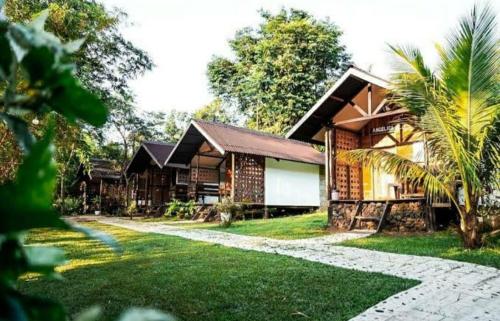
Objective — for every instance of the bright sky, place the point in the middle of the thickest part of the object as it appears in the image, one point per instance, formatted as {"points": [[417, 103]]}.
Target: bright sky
{"points": [[182, 35]]}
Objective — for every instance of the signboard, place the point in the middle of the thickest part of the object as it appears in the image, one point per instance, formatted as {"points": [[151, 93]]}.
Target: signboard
{"points": [[383, 129]]}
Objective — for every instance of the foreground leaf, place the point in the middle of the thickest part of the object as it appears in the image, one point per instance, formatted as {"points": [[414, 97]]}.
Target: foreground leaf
{"points": [[137, 314], [20, 130], [27, 202]]}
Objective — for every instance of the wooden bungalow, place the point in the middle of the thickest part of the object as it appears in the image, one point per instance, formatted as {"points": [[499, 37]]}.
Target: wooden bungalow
{"points": [[355, 113], [100, 187], [153, 184], [249, 166]]}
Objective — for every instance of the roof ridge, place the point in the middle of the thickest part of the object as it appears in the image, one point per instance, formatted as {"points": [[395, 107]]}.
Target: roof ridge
{"points": [[253, 131], [157, 142], [368, 72]]}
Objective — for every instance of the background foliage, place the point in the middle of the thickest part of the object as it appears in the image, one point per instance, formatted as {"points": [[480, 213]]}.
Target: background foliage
{"points": [[280, 68]]}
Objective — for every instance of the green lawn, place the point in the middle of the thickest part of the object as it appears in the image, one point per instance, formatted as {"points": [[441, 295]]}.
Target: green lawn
{"points": [[200, 281], [290, 227], [446, 245]]}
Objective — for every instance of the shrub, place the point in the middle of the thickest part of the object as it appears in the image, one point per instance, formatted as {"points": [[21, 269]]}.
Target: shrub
{"points": [[131, 208], [183, 210], [70, 205], [228, 211]]}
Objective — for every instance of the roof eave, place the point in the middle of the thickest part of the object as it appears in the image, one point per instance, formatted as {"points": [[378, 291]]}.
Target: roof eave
{"points": [[351, 72]]}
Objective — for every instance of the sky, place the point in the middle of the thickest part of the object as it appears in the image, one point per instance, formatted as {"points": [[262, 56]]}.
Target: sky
{"points": [[181, 36]]}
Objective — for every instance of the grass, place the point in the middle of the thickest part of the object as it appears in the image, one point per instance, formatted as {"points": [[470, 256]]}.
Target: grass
{"points": [[446, 245], [200, 281], [290, 227]]}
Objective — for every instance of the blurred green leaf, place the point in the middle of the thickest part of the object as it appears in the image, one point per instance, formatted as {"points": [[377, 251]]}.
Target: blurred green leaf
{"points": [[90, 314], [43, 259], [98, 235], [72, 101], [74, 46], [6, 56], [39, 65], [40, 309], [30, 196], [39, 21], [138, 314], [20, 130], [12, 261]]}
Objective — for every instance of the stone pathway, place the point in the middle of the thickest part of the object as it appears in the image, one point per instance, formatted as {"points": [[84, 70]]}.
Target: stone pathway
{"points": [[450, 290]]}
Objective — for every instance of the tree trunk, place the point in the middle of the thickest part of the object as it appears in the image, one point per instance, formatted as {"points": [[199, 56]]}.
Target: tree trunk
{"points": [[469, 230], [61, 193]]}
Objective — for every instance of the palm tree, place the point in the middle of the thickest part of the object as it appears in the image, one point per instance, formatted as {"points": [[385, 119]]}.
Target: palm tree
{"points": [[456, 107]]}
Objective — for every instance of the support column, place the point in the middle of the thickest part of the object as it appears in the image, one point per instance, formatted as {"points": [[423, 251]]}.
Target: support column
{"points": [[328, 173], [197, 177], [333, 158], [233, 174]]}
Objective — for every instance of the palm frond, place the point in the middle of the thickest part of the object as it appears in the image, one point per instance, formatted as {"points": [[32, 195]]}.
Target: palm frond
{"points": [[469, 71]]}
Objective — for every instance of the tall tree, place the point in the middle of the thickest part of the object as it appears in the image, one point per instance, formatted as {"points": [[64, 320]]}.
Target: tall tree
{"points": [[105, 63], [216, 111], [280, 68], [175, 124], [458, 109]]}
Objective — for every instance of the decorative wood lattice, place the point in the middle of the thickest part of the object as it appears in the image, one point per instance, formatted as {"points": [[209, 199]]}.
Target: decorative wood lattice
{"points": [[207, 175], [348, 177], [249, 179], [182, 176]]}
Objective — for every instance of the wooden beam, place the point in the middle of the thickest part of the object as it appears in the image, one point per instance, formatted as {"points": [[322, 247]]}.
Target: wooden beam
{"points": [[389, 113], [379, 107], [358, 109], [337, 99]]}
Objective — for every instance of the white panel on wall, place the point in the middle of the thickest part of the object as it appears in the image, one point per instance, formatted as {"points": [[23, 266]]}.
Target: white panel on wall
{"points": [[291, 184]]}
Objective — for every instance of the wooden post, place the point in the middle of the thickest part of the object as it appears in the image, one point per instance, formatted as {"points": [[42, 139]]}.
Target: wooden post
{"points": [[197, 177], [218, 182], [100, 196], [369, 99], [233, 174], [266, 212], [333, 158], [146, 192], [327, 165]]}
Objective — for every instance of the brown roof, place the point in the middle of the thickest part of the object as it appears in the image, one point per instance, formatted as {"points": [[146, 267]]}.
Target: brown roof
{"points": [[159, 151], [227, 138], [156, 151], [100, 168]]}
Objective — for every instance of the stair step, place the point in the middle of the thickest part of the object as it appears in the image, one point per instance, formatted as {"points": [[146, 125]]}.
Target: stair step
{"points": [[368, 218]]}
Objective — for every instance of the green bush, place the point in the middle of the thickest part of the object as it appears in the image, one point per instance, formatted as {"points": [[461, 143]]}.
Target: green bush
{"points": [[228, 211], [183, 210], [70, 205]]}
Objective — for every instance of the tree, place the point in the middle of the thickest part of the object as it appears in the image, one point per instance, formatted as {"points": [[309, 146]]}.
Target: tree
{"points": [[38, 80], [216, 111], [457, 109], [105, 63], [280, 68], [175, 124]]}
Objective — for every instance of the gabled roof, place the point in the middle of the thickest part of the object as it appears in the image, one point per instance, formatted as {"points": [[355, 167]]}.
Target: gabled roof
{"points": [[228, 138], [343, 91], [156, 151], [159, 151], [100, 169]]}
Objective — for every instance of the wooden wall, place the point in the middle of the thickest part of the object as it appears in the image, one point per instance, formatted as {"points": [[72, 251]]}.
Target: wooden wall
{"points": [[248, 178], [347, 177]]}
